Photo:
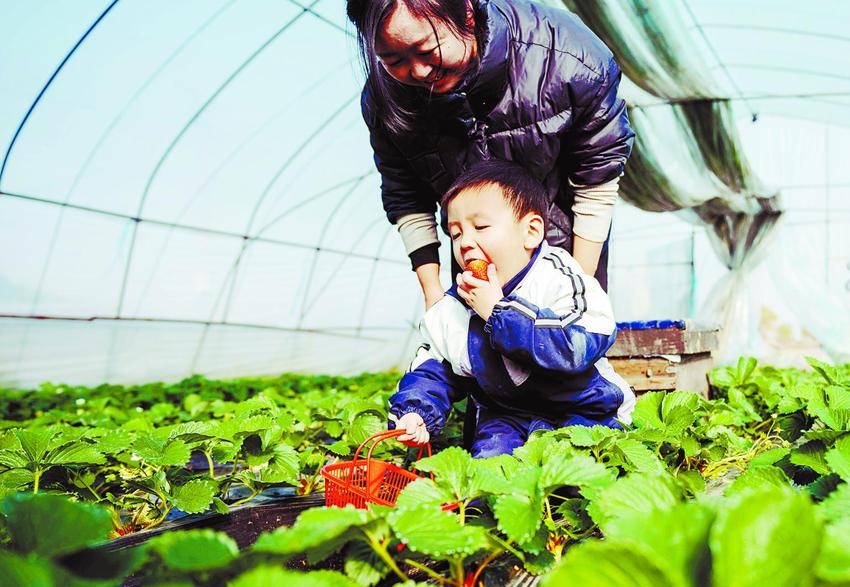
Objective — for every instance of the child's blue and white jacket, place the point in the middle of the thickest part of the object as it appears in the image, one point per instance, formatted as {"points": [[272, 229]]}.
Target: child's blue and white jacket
{"points": [[540, 354]]}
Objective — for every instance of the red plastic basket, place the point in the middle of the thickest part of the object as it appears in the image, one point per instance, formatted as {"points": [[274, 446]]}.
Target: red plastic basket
{"points": [[362, 481]]}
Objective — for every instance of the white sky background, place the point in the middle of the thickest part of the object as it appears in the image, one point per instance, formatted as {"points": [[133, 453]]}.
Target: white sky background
{"points": [[163, 113]]}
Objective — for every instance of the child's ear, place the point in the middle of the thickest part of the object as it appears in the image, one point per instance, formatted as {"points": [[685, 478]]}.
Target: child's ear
{"points": [[535, 231]]}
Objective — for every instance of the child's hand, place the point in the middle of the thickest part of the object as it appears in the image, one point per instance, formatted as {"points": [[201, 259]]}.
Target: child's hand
{"points": [[414, 426], [479, 294]]}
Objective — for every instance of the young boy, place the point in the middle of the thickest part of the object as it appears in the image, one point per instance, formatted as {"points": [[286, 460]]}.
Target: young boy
{"points": [[527, 344]]}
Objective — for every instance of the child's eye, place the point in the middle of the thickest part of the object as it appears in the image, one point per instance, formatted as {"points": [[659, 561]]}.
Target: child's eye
{"points": [[428, 52], [455, 236], [482, 227]]}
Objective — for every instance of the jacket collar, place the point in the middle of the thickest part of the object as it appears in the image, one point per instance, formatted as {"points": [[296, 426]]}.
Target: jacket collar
{"points": [[485, 85], [514, 281]]}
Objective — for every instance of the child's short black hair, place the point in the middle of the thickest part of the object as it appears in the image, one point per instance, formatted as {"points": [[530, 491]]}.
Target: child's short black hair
{"points": [[521, 190]]}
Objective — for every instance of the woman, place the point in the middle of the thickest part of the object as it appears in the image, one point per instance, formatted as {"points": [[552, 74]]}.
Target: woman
{"points": [[451, 82]]}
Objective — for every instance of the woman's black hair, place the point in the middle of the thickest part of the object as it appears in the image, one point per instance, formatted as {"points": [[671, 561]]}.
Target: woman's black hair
{"points": [[520, 189], [396, 104]]}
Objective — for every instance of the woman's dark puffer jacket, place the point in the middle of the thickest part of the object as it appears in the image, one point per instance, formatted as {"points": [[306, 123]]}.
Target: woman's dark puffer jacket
{"points": [[544, 96]]}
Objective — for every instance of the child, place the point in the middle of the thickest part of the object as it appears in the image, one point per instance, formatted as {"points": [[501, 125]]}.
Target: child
{"points": [[527, 344]]}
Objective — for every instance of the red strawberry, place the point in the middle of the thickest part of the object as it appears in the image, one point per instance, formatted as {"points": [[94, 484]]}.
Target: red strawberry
{"points": [[478, 268]]}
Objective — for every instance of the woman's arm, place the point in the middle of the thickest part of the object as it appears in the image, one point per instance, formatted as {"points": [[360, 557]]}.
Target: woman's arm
{"points": [[410, 205], [587, 253], [429, 280]]}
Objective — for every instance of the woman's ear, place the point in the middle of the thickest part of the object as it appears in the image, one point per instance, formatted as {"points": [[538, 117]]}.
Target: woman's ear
{"points": [[535, 231]]}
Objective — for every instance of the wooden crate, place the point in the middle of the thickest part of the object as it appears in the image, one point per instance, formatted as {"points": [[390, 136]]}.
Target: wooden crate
{"points": [[664, 355]]}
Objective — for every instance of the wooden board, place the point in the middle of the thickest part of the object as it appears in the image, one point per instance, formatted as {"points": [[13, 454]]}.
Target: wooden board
{"points": [[660, 373], [664, 341]]}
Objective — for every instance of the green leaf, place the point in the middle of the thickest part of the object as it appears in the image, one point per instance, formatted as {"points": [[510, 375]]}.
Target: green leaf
{"points": [[634, 493], [363, 565], [195, 496], [77, 453], [424, 492], [35, 443], [519, 513], [833, 562], [647, 412], [265, 575], [691, 446], [220, 507], [823, 369], [539, 563], [745, 368], [114, 442], [676, 539], [837, 504], [16, 478], [436, 533], [51, 525], [283, 466], [14, 459], [737, 399], [673, 402], [537, 448], [759, 478], [161, 452], [579, 470], [783, 525], [314, 528], [823, 486], [641, 458], [839, 458], [17, 571], [103, 565], [588, 436], [194, 550], [191, 432], [596, 563], [364, 426], [340, 447], [453, 468], [769, 457], [812, 455]]}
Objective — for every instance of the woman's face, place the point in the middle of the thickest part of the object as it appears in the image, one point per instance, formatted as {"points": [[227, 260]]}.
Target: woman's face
{"points": [[423, 52]]}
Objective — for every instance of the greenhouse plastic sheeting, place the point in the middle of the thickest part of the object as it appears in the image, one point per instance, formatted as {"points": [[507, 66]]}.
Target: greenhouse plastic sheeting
{"points": [[188, 186]]}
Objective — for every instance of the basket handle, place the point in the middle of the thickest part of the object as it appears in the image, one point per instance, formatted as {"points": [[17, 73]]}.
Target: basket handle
{"points": [[375, 439]]}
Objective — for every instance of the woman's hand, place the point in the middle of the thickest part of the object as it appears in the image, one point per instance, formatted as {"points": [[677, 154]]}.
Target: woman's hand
{"points": [[416, 434], [479, 294]]}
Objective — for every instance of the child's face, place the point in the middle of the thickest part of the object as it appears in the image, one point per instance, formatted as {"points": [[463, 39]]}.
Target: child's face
{"points": [[482, 225]]}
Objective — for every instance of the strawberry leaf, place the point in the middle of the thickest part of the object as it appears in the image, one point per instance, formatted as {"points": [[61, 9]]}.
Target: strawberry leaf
{"points": [[161, 452], [839, 458], [607, 563], [433, 532], [635, 493], [453, 468], [783, 524], [194, 550], [195, 496], [519, 512], [314, 528], [51, 525], [579, 470], [833, 564], [283, 466], [265, 575]]}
